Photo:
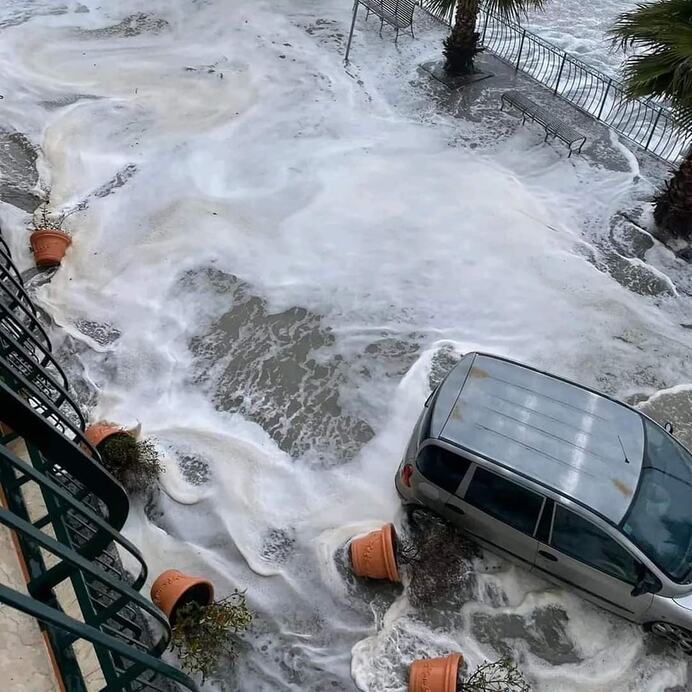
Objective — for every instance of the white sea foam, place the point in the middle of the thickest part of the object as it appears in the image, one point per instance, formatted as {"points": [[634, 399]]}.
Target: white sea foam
{"points": [[318, 192]]}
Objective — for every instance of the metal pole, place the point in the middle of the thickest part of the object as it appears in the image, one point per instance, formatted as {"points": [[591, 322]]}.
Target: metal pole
{"points": [[653, 129], [562, 67], [350, 36], [605, 96], [521, 48]]}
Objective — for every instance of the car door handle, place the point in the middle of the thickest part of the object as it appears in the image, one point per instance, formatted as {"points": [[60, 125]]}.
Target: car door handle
{"points": [[454, 508], [547, 556]]}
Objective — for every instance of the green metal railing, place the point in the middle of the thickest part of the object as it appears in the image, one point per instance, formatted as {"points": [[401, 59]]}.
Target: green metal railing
{"points": [[66, 512]]}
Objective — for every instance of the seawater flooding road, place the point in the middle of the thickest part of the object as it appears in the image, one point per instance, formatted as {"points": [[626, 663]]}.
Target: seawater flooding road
{"points": [[275, 259]]}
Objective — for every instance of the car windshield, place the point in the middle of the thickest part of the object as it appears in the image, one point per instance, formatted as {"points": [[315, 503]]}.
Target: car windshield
{"points": [[659, 521]]}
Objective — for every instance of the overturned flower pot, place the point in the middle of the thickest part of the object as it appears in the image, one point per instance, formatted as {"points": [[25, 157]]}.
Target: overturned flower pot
{"points": [[173, 590], [136, 464], [374, 555], [435, 674], [49, 246], [101, 431]]}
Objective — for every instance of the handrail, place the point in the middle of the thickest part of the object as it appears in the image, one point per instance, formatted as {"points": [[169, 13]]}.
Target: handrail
{"points": [[19, 287], [46, 360], [37, 373], [8, 317], [85, 566], [30, 425], [41, 403], [81, 631], [14, 303], [9, 264], [28, 471], [79, 521], [645, 122]]}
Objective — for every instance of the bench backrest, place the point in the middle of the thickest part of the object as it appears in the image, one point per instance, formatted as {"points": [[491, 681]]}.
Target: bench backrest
{"points": [[403, 9]]}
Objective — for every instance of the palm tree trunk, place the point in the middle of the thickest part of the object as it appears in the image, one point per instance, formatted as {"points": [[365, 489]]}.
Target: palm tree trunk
{"points": [[461, 46], [673, 209]]}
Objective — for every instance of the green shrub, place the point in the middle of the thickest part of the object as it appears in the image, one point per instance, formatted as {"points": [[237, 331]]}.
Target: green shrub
{"points": [[135, 463], [203, 633]]}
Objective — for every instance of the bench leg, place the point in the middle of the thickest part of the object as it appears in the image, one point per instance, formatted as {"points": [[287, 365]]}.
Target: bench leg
{"points": [[412, 34], [367, 13], [381, 27]]}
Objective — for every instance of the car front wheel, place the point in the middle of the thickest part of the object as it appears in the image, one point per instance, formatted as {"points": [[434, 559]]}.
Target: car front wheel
{"points": [[678, 635]]}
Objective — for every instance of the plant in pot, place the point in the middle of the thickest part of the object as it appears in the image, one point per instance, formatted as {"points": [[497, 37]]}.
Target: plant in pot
{"points": [[446, 674], [135, 463], [203, 634], [49, 241], [202, 629]]}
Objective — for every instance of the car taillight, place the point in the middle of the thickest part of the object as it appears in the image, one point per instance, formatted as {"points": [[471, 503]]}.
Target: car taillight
{"points": [[406, 474]]}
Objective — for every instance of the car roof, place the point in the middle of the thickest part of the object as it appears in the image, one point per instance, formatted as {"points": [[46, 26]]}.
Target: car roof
{"points": [[577, 442]]}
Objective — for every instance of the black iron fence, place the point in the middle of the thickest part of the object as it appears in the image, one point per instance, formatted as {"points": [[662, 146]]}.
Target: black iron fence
{"points": [[66, 513], [645, 122]]}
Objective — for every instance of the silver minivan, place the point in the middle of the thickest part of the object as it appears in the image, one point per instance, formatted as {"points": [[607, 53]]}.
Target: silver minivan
{"points": [[575, 486]]}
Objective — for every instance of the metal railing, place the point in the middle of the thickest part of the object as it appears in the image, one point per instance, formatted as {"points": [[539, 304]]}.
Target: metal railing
{"points": [[645, 122], [66, 512]]}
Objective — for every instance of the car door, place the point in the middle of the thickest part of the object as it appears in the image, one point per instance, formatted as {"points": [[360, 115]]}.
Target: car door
{"points": [[577, 553], [499, 513]]}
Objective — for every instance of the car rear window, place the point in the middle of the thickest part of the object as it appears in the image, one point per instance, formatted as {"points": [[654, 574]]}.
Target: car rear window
{"points": [[444, 469], [500, 498]]}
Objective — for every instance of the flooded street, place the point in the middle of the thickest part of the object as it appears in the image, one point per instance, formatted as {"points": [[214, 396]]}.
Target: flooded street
{"points": [[275, 258]]}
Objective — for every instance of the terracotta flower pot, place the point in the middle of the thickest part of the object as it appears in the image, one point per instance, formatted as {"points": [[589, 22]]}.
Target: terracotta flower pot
{"points": [[101, 431], [49, 246], [374, 555], [435, 674], [173, 589]]}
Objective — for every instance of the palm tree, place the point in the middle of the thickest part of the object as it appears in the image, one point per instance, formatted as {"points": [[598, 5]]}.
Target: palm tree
{"points": [[462, 45], [661, 32]]}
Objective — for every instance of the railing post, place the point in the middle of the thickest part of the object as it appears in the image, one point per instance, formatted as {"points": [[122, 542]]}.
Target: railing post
{"points": [[485, 26], [653, 129], [350, 35], [605, 96], [521, 48], [559, 74]]}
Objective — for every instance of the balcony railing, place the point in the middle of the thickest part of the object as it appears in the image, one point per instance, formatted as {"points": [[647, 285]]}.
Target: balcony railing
{"points": [[66, 512]]}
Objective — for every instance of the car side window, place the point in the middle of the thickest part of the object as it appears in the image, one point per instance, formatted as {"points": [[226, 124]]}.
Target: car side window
{"points": [[504, 500], [582, 540], [442, 468]]}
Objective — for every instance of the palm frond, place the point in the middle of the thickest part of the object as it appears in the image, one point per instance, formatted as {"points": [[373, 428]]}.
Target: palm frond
{"points": [[510, 9], [442, 8], [659, 35], [513, 9]]}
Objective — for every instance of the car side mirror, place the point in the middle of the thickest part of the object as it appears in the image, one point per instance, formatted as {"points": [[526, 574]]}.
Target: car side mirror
{"points": [[648, 583], [668, 427]]}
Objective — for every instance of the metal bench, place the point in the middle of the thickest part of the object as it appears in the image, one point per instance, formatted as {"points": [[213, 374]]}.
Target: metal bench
{"points": [[396, 13], [551, 124]]}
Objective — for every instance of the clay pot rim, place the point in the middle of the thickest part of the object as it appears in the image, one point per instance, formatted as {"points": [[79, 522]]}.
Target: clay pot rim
{"points": [[389, 538], [110, 430], [56, 232], [453, 661], [385, 539], [195, 582]]}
